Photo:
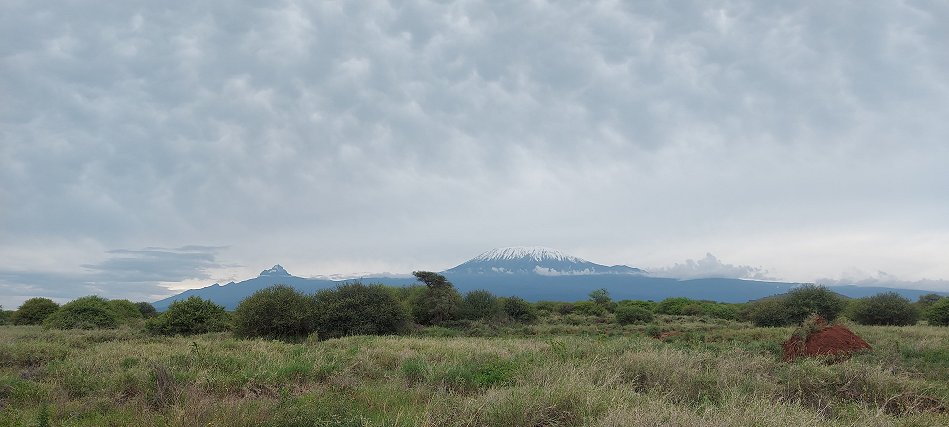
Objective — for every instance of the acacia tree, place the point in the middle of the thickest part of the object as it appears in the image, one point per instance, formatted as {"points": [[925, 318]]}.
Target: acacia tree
{"points": [[438, 303]]}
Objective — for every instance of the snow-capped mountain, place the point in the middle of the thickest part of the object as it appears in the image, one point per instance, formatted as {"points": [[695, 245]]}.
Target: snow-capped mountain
{"points": [[536, 260], [275, 271]]}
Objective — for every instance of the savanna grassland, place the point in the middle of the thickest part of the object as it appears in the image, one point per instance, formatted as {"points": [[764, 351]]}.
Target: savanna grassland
{"points": [[560, 371]]}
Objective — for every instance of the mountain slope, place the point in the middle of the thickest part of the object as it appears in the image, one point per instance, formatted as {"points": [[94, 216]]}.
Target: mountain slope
{"points": [[535, 260]]}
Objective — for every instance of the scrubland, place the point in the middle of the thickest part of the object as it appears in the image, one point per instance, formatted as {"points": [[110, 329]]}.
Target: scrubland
{"points": [[564, 370]]}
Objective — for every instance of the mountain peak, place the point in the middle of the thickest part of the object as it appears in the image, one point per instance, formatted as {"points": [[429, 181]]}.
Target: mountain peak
{"points": [[276, 270], [536, 260], [535, 253]]}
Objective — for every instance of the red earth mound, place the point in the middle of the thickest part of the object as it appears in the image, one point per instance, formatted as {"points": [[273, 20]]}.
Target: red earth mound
{"points": [[835, 341]]}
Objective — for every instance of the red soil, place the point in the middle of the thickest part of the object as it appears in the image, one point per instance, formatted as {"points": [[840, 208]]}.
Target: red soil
{"points": [[835, 341]]}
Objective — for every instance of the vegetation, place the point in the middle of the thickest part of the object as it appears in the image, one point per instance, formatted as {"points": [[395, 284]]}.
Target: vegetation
{"points": [[560, 371], [630, 314], [278, 312], [90, 312], [939, 313], [126, 310], [884, 309], [4, 316], [357, 309], [146, 309], [439, 303], [795, 306], [519, 310], [480, 305], [34, 311], [190, 316]]}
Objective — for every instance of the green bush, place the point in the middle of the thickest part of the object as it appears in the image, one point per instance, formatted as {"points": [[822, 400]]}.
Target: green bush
{"points": [[34, 311], [588, 308], [126, 310], [648, 305], [673, 305], [90, 312], [602, 297], [357, 309], [630, 314], [804, 300], [721, 310], [190, 316], [277, 312], [480, 305], [553, 306], [692, 309], [439, 303], [766, 312], [519, 310], [146, 309], [939, 313], [887, 308], [4, 316]]}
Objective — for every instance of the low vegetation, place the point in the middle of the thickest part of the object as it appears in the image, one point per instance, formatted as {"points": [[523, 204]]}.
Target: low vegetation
{"points": [[357, 355]]}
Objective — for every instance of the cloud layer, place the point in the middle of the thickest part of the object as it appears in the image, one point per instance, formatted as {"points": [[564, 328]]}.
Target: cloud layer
{"points": [[335, 137]]}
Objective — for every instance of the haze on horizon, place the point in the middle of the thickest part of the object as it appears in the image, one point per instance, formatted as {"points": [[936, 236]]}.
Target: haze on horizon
{"points": [[151, 146]]}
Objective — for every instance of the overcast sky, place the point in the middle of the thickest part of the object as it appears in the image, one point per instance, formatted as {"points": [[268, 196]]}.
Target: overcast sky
{"points": [[152, 146]]}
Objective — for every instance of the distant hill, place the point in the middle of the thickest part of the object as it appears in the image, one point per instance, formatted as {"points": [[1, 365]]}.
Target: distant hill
{"points": [[535, 273]]}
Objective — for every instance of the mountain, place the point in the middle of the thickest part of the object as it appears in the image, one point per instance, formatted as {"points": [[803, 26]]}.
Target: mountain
{"points": [[536, 273], [535, 260]]}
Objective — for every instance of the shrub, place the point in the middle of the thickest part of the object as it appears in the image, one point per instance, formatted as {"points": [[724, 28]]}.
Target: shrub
{"points": [[552, 306], [275, 312], [602, 298], [804, 300], [648, 305], [190, 316], [629, 314], [766, 312], [939, 313], [4, 316], [673, 305], [692, 309], [148, 311], [126, 310], [34, 311], [884, 309], [721, 311], [480, 305], [90, 312], [519, 310], [438, 303], [588, 308], [357, 309]]}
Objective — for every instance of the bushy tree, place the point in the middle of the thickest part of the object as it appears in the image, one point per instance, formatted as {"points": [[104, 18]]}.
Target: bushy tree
{"points": [[804, 300], [438, 303], [519, 310], [887, 308], [629, 314], [357, 309], [190, 316], [938, 314], [766, 312], [34, 311], [588, 308], [275, 312], [90, 312], [126, 310], [148, 311], [4, 316], [602, 298], [673, 305], [480, 305]]}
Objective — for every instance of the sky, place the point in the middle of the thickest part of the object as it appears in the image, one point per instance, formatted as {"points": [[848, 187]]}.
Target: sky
{"points": [[149, 147]]}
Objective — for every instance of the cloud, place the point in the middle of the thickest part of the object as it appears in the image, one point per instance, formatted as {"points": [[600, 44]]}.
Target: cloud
{"points": [[396, 136], [138, 275], [708, 267], [884, 279]]}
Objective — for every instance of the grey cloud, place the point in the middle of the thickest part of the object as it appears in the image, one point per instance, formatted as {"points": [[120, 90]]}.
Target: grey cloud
{"points": [[710, 266], [403, 135], [133, 274]]}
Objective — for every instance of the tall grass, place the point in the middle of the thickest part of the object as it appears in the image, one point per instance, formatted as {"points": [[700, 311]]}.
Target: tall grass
{"points": [[550, 374]]}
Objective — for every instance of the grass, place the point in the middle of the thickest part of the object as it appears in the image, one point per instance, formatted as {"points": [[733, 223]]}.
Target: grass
{"points": [[563, 371]]}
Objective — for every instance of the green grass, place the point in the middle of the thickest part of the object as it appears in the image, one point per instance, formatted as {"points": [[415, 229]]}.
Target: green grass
{"points": [[563, 371]]}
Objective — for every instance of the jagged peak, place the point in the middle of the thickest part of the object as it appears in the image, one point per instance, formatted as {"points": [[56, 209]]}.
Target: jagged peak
{"points": [[276, 270], [536, 253]]}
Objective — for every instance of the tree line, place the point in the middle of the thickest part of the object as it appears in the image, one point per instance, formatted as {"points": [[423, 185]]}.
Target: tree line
{"points": [[282, 312]]}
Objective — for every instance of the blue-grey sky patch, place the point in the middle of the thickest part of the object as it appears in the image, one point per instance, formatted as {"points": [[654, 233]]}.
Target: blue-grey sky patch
{"points": [[806, 138]]}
